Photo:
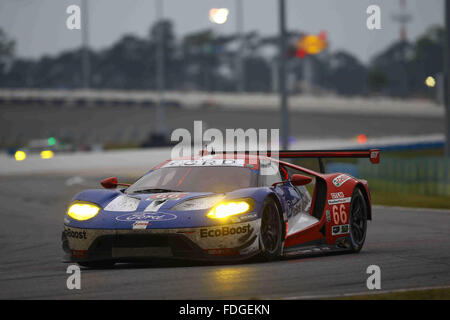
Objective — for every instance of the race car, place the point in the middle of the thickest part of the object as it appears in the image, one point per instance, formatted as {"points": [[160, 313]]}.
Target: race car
{"points": [[221, 207]]}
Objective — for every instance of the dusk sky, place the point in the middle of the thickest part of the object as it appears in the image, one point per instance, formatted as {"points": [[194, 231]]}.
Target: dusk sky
{"points": [[39, 26]]}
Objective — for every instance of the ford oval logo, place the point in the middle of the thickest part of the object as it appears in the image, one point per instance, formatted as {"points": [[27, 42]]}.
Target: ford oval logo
{"points": [[149, 216]]}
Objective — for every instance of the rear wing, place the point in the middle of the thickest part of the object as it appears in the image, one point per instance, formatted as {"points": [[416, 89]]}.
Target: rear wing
{"points": [[372, 154]]}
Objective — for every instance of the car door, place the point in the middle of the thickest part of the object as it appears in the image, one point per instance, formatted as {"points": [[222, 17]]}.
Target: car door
{"points": [[286, 192]]}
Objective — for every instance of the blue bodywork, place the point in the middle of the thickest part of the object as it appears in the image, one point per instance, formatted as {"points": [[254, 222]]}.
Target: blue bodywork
{"points": [[179, 219], [288, 199], [103, 236]]}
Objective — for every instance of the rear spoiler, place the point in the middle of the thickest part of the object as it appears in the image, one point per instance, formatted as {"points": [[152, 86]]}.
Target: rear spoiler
{"points": [[372, 154]]}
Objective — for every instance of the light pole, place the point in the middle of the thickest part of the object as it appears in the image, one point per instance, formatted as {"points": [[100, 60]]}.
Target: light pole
{"points": [[160, 68], [447, 78], [282, 76], [85, 62], [240, 54]]}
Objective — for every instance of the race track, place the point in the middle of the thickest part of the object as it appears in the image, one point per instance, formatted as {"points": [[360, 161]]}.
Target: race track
{"points": [[411, 246], [125, 124]]}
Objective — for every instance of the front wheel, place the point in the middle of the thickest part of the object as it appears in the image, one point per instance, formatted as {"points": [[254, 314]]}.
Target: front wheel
{"points": [[358, 220], [271, 231]]}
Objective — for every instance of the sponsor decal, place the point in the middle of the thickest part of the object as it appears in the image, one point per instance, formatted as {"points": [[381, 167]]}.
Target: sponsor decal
{"points": [[337, 195], [225, 231], [75, 234], [146, 216], [374, 154], [340, 180], [342, 229], [141, 224], [204, 162], [244, 218], [327, 212], [167, 196], [337, 201]]}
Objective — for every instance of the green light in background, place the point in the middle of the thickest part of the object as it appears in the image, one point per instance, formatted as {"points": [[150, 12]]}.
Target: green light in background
{"points": [[51, 141]]}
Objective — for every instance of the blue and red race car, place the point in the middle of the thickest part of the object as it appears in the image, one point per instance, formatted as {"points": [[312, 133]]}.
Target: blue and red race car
{"points": [[220, 207]]}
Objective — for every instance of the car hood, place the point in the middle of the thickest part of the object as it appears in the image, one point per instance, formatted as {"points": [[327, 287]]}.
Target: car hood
{"points": [[131, 211], [126, 211]]}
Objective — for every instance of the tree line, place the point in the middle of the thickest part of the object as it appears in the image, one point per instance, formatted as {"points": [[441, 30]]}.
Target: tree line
{"points": [[207, 61]]}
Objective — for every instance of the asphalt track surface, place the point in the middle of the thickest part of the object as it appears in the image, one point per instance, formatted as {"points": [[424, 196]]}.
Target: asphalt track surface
{"points": [[411, 246]]}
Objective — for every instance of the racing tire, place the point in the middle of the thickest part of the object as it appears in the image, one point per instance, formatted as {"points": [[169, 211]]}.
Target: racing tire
{"points": [[271, 231], [358, 220], [97, 264]]}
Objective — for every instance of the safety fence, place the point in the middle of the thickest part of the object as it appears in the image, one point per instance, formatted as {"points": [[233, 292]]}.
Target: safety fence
{"points": [[425, 176]]}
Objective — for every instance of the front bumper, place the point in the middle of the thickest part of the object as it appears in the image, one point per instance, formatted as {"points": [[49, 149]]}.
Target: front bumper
{"points": [[226, 242]]}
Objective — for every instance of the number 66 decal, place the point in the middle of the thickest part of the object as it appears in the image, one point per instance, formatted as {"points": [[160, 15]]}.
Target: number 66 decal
{"points": [[339, 214]]}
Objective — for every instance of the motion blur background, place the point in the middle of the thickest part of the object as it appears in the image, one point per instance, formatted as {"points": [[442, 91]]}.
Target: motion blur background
{"points": [[137, 70], [77, 106]]}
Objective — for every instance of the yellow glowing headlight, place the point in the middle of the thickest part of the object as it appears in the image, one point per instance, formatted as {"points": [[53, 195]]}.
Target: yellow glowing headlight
{"points": [[83, 211], [230, 208]]}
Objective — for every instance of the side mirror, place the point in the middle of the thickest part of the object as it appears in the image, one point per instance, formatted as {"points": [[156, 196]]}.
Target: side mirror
{"points": [[300, 180], [109, 183], [112, 183]]}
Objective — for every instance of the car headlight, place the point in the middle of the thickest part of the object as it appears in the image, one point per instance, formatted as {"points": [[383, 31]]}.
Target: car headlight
{"points": [[83, 211], [198, 203], [230, 208]]}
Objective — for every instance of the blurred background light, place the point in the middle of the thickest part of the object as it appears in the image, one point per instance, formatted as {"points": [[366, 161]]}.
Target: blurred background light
{"points": [[313, 44], [218, 15], [430, 81], [47, 154], [51, 141], [20, 155], [362, 138]]}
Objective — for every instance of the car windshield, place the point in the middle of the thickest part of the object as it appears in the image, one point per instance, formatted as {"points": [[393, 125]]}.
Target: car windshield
{"points": [[195, 179]]}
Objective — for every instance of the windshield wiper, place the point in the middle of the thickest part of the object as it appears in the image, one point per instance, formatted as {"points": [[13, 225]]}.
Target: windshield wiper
{"points": [[154, 190]]}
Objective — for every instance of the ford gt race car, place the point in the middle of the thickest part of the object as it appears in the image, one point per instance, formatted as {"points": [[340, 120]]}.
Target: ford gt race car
{"points": [[217, 207]]}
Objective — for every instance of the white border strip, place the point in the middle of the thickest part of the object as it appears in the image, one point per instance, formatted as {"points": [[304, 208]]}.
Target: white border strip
{"points": [[364, 293], [411, 208]]}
